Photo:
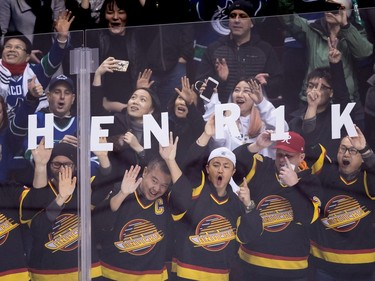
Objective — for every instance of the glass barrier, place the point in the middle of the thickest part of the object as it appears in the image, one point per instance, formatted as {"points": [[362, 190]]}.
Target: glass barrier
{"points": [[39, 159], [159, 207]]}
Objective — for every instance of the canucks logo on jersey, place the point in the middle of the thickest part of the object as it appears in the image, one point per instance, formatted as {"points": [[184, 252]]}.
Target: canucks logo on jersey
{"points": [[138, 237], [213, 233]]}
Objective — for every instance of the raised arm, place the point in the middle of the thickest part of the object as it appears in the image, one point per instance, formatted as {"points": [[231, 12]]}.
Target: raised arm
{"points": [[144, 79], [265, 107], [340, 89], [67, 185], [262, 141], [368, 156], [187, 92], [41, 156], [107, 66], [251, 225], [62, 26], [196, 156], [245, 155], [104, 162], [194, 115], [51, 62], [360, 143], [97, 94], [244, 196], [168, 153], [314, 96], [209, 131], [129, 185]]}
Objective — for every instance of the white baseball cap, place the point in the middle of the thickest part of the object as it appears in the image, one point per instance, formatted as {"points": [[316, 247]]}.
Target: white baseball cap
{"points": [[223, 152]]}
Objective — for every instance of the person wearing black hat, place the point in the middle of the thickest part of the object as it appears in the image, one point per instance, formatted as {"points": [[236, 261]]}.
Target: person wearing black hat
{"points": [[61, 97], [240, 54], [51, 209]]}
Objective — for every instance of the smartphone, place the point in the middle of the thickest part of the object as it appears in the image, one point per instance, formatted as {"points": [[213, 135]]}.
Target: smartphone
{"points": [[122, 65], [211, 84]]}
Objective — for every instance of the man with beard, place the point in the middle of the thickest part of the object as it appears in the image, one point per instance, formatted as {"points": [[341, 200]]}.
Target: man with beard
{"points": [[342, 244], [51, 209]]}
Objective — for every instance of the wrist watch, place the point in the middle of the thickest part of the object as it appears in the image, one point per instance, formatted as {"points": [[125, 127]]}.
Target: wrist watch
{"points": [[142, 154], [249, 208], [364, 150]]}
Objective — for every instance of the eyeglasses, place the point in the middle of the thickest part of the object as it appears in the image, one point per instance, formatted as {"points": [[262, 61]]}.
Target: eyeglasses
{"points": [[315, 86], [57, 165], [16, 47], [352, 151]]}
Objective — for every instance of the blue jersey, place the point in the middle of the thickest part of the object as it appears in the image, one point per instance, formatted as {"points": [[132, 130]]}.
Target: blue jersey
{"points": [[59, 131]]}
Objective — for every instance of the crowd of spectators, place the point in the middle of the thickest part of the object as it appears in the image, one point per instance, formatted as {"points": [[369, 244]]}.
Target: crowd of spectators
{"points": [[251, 183]]}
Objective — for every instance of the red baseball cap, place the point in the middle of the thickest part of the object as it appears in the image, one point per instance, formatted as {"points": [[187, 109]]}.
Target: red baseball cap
{"points": [[294, 143]]}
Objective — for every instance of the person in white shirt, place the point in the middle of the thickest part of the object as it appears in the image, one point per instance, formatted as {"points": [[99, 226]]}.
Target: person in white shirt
{"points": [[256, 115]]}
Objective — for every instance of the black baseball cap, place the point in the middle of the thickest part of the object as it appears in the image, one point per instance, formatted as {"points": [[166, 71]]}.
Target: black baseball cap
{"points": [[243, 5], [61, 79]]}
